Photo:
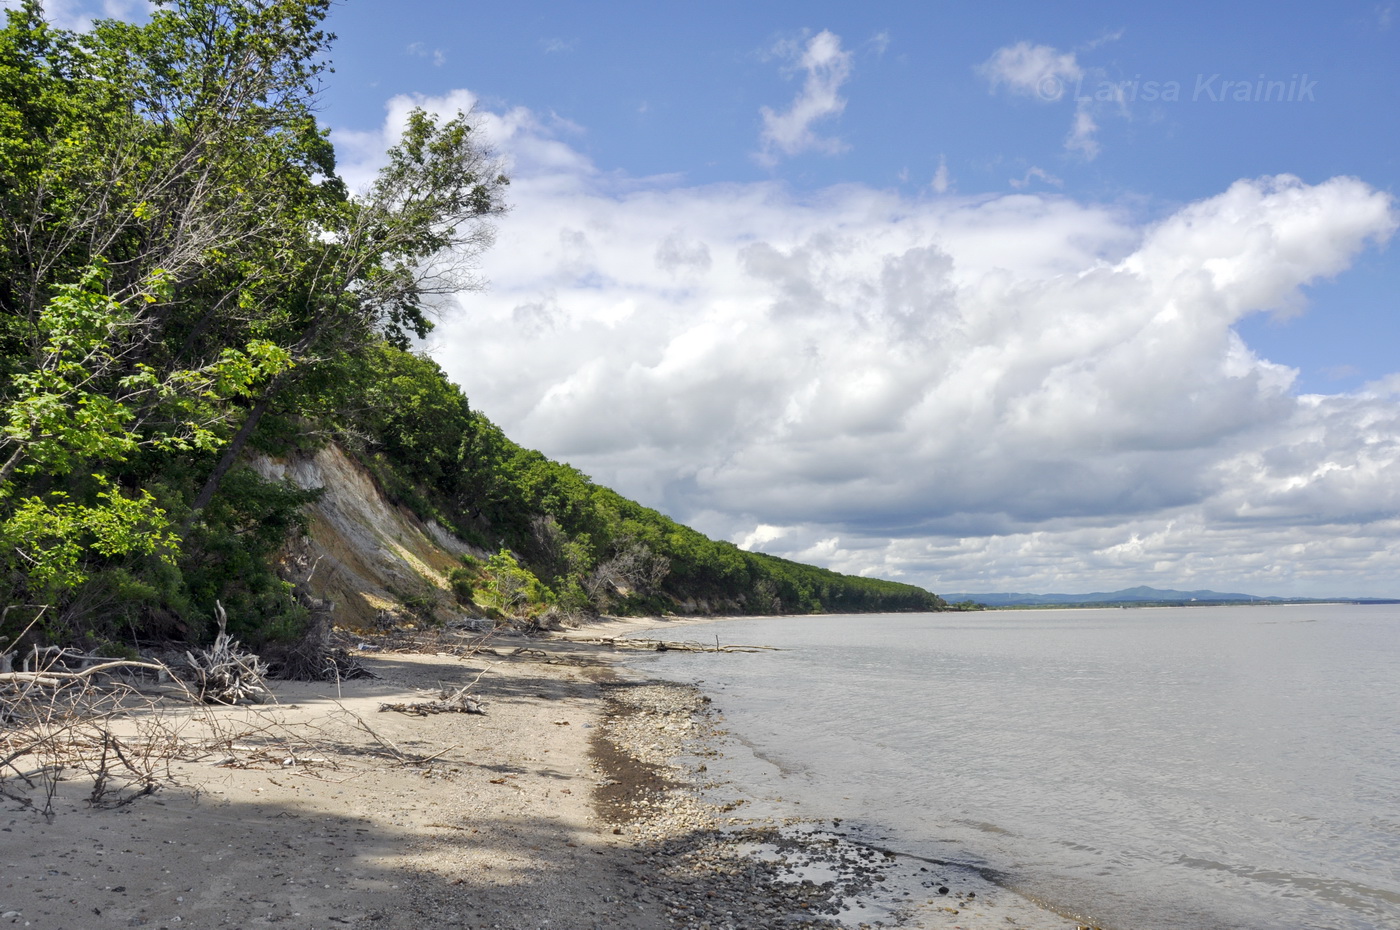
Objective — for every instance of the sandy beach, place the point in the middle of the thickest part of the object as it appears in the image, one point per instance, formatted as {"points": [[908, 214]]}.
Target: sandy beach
{"points": [[575, 800]]}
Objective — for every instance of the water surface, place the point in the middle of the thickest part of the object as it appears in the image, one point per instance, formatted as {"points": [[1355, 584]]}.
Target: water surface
{"points": [[1149, 769]]}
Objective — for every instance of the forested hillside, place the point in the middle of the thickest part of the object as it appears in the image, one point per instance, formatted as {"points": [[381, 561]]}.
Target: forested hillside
{"points": [[186, 283]]}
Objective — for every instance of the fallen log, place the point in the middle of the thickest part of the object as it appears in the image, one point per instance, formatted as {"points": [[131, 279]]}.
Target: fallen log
{"points": [[51, 678]]}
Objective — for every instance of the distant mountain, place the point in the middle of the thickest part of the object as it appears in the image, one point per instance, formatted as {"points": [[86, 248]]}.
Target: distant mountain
{"points": [[1140, 595]]}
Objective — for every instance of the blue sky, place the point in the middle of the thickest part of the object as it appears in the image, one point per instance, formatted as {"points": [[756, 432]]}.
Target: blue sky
{"points": [[1010, 296], [658, 89]]}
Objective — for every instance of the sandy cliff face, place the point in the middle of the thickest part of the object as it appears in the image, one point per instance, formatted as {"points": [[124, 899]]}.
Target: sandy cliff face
{"points": [[363, 553]]}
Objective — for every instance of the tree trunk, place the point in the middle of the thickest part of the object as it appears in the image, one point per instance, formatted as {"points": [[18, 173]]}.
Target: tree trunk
{"points": [[231, 453]]}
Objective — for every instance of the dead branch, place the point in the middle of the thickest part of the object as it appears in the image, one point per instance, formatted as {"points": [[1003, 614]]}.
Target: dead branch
{"points": [[49, 678], [226, 673], [448, 702], [313, 658], [388, 746]]}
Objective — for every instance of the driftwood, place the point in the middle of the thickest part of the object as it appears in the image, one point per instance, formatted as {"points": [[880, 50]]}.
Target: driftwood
{"points": [[454, 702], [448, 701], [389, 748], [56, 726], [62, 733], [315, 658], [52, 667], [226, 673], [53, 678]]}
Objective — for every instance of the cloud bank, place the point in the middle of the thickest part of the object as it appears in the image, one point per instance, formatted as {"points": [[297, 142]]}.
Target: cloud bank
{"points": [[1014, 392]]}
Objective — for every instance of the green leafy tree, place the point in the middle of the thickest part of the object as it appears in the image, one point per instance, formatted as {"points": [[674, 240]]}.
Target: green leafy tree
{"points": [[82, 412], [178, 257], [512, 588]]}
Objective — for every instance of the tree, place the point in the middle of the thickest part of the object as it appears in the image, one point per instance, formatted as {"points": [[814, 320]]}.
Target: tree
{"points": [[176, 253], [186, 145], [377, 262]]}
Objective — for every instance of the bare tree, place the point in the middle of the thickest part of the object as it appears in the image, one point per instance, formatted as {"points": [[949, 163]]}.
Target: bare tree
{"points": [[633, 567]]}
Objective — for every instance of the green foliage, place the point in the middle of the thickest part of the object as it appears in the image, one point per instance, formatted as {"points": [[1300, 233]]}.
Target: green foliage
{"points": [[83, 402], [50, 538], [72, 420], [229, 557], [513, 589], [421, 605], [178, 260], [155, 182], [464, 583]]}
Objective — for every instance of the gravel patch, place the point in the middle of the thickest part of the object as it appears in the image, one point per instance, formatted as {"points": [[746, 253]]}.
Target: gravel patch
{"points": [[714, 870]]}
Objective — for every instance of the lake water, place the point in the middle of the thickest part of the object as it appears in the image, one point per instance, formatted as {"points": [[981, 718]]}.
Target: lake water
{"points": [[1148, 769]]}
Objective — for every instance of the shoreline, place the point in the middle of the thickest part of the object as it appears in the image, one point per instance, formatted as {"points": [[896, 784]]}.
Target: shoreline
{"points": [[891, 888], [579, 799]]}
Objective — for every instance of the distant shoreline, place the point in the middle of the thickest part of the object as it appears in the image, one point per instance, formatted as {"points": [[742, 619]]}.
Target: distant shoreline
{"points": [[1133, 605]]}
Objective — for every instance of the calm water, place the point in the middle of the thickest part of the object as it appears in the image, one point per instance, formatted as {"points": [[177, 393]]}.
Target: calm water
{"points": [[1154, 769]]}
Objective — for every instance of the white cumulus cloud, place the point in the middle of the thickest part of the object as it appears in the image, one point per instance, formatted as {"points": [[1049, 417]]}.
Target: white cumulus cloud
{"points": [[970, 393]]}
